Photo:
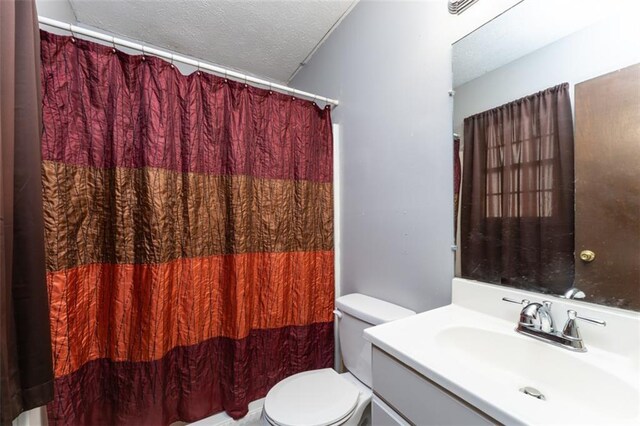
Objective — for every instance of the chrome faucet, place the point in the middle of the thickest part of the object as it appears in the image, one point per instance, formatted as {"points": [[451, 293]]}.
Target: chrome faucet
{"points": [[574, 293], [536, 321]]}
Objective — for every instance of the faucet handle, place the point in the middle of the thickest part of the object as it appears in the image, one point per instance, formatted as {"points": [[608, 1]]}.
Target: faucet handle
{"points": [[523, 302], [574, 315], [570, 329]]}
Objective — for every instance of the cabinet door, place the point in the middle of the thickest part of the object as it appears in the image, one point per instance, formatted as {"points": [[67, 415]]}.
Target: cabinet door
{"points": [[383, 415], [418, 399]]}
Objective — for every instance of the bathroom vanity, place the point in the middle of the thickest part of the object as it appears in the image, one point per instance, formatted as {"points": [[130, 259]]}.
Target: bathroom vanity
{"points": [[466, 364], [417, 399]]}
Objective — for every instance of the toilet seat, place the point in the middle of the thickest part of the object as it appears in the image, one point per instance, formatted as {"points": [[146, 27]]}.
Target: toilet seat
{"points": [[312, 398]]}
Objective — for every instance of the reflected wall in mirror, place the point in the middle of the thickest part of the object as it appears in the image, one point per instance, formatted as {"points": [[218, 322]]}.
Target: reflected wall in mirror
{"points": [[547, 121]]}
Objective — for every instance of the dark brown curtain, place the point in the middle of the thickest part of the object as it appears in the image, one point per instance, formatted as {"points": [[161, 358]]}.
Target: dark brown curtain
{"points": [[189, 235], [457, 180], [26, 376], [517, 216]]}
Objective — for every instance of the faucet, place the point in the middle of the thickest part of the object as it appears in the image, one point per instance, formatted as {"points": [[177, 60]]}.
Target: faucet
{"points": [[574, 293], [536, 321]]}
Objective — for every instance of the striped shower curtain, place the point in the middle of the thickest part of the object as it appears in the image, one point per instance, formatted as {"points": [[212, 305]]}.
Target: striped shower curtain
{"points": [[189, 237]]}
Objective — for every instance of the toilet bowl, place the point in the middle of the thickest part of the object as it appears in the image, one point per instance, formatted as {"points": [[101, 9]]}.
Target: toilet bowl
{"points": [[319, 398], [323, 397]]}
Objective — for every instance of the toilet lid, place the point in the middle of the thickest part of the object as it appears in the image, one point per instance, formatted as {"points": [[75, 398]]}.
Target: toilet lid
{"points": [[318, 398]]}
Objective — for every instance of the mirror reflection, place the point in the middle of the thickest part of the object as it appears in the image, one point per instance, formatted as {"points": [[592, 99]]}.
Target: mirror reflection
{"points": [[547, 148]]}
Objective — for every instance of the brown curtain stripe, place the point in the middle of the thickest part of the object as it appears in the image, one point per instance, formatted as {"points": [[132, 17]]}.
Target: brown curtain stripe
{"points": [[518, 193], [123, 206]]}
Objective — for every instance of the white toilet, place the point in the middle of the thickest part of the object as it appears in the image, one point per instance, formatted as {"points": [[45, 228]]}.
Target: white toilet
{"points": [[324, 397]]}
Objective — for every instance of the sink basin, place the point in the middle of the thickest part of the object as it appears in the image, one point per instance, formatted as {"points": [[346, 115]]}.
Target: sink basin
{"points": [[471, 349], [564, 378]]}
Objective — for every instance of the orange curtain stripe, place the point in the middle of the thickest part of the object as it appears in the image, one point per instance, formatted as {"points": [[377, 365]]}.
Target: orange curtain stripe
{"points": [[183, 303]]}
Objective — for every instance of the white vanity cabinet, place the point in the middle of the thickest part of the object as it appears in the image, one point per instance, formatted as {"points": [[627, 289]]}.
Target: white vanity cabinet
{"points": [[403, 396]]}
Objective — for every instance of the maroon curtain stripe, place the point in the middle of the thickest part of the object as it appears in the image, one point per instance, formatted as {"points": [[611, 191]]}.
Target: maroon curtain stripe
{"points": [[117, 110], [190, 382]]}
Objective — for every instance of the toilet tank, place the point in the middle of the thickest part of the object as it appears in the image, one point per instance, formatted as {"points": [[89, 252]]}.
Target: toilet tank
{"points": [[358, 312]]}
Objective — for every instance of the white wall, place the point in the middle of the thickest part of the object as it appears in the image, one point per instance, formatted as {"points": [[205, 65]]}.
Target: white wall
{"points": [[606, 46], [389, 64], [56, 9]]}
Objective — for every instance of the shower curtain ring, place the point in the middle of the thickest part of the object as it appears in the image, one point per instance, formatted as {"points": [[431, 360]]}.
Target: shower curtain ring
{"points": [[144, 54], [113, 43], [198, 68], [172, 66], [226, 77], [73, 35]]}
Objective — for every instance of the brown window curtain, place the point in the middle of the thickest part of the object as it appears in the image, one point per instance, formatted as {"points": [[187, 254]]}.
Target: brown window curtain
{"points": [[457, 180], [517, 216], [26, 374]]}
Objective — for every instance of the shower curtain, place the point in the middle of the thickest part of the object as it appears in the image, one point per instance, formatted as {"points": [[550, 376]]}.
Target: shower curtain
{"points": [[189, 236]]}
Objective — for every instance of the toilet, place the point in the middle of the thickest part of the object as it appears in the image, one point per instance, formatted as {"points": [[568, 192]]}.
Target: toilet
{"points": [[324, 397]]}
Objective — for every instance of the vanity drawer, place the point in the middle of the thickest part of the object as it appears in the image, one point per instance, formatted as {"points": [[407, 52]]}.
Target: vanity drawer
{"points": [[417, 398], [383, 415]]}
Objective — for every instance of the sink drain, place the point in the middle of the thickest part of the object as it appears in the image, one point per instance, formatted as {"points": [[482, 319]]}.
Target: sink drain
{"points": [[528, 390]]}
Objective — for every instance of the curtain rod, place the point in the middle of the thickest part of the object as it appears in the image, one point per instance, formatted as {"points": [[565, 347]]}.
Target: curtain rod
{"points": [[227, 73]]}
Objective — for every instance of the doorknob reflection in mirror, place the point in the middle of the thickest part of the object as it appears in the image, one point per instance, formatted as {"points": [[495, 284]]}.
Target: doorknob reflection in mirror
{"points": [[587, 256]]}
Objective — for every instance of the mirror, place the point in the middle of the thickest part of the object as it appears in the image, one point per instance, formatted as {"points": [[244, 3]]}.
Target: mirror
{"points": [[547, 150]]}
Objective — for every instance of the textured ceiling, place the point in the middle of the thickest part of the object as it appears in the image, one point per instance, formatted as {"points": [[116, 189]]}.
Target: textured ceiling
{"points": [[528, 26], [266, 38]]}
